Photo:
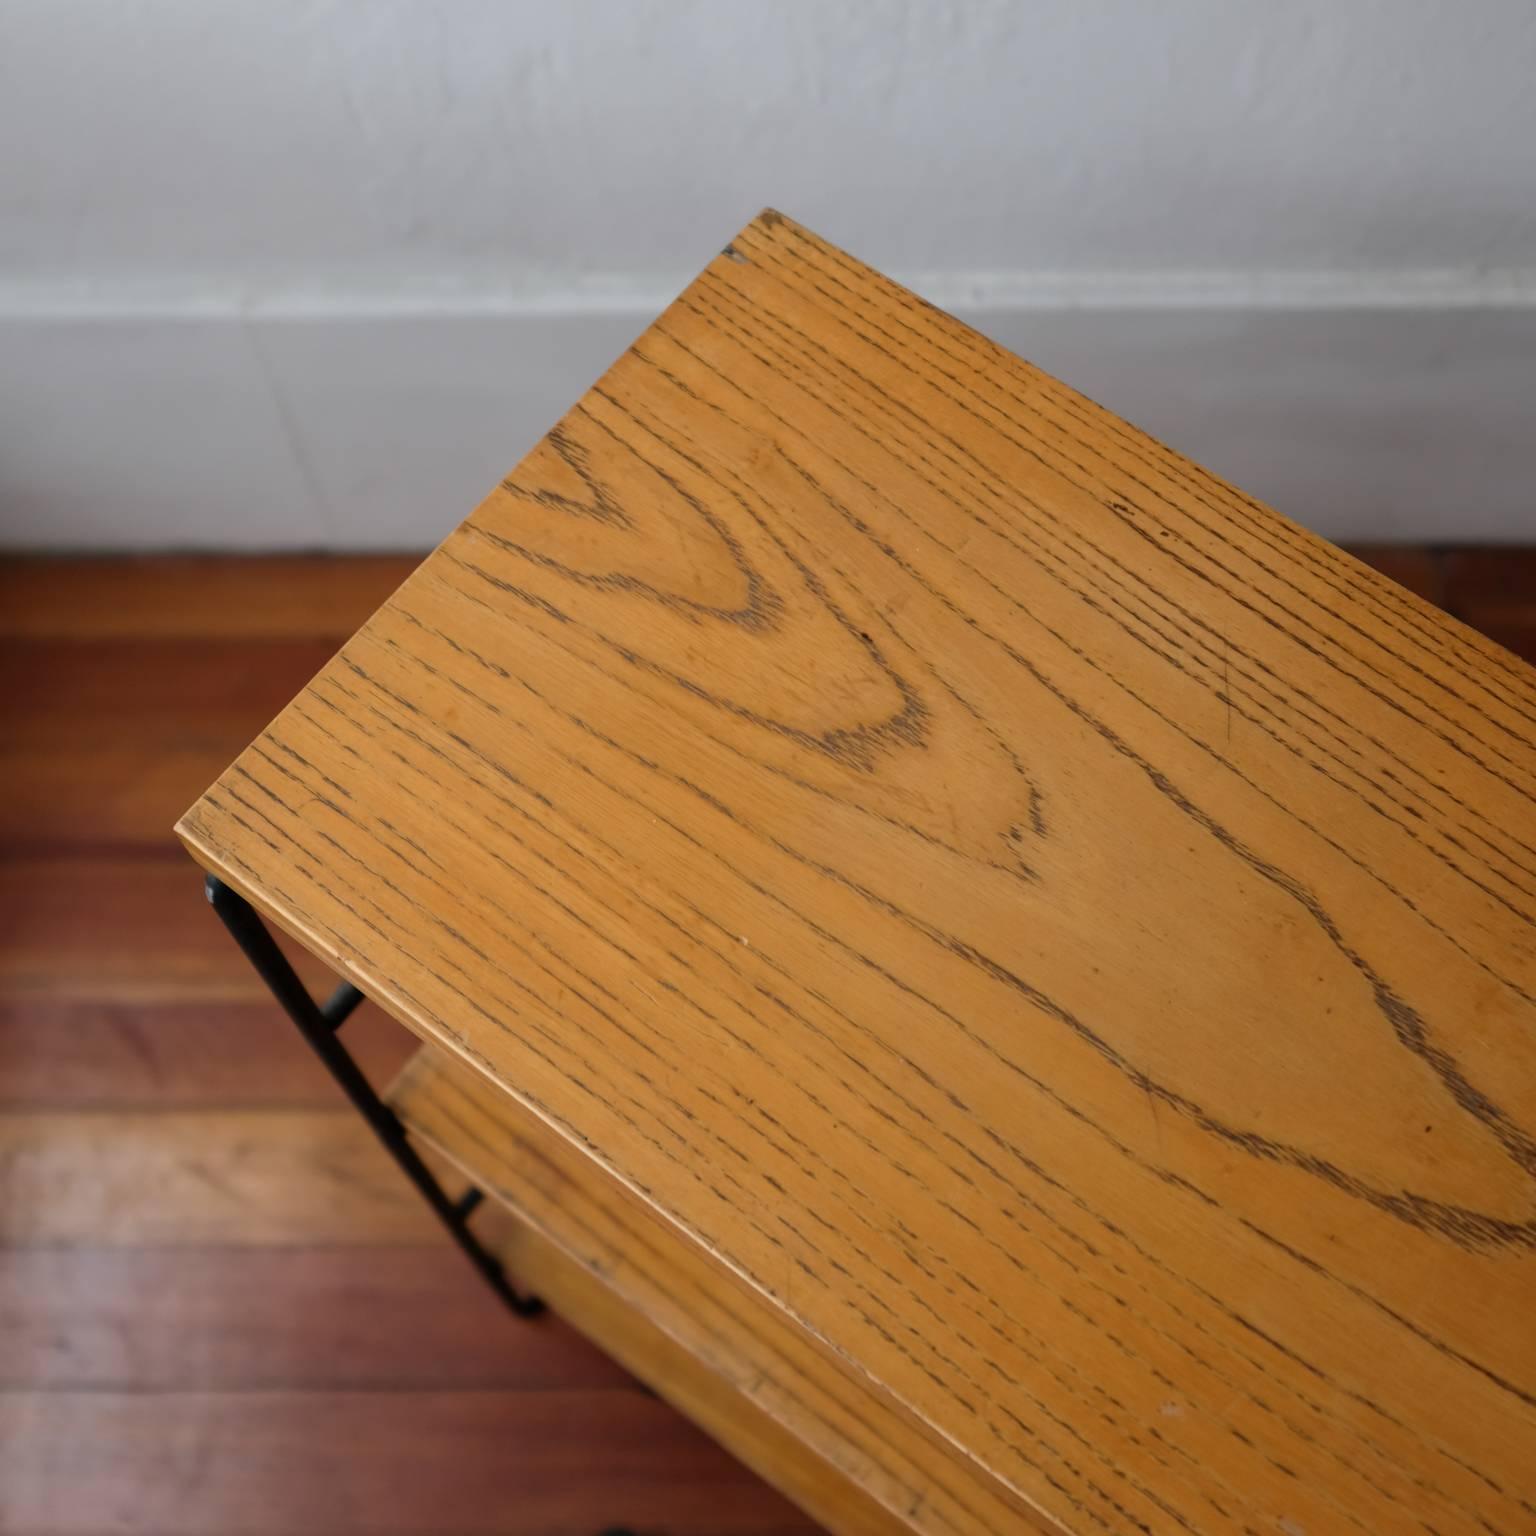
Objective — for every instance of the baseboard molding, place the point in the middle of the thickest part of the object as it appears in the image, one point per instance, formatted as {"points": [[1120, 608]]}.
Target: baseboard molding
{"points": [[1371, 407]]}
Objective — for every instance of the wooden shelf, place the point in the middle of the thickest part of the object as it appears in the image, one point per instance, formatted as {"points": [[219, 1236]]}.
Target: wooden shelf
{"points": [[711, 1347]]}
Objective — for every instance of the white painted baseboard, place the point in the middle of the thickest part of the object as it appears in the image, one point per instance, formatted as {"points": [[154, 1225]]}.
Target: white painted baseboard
{"points": [[1370, 407]]}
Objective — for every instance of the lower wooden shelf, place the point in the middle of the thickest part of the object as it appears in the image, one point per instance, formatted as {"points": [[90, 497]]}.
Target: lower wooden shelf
{"points": [[645, 1294]]}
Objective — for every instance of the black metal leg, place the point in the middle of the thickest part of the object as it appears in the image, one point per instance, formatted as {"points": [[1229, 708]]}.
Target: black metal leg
{"points": [[318, 1023]]}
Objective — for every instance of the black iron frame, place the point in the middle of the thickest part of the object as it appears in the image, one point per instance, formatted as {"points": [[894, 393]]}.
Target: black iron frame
{"points": [[319, 1024]]}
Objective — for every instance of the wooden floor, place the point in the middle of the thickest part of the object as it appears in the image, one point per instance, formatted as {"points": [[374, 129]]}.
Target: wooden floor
{"points": [[221, 1310]]}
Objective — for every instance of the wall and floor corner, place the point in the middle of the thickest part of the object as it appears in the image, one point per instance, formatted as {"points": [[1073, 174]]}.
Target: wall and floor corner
{"points": [[304, 275]]}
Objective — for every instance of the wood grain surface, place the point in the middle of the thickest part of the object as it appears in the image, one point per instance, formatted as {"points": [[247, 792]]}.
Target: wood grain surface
{"points": [[731, 1360], [1054, 927]]}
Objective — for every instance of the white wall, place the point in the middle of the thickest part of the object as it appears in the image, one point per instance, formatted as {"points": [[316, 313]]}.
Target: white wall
{"points": [[311, 272]]}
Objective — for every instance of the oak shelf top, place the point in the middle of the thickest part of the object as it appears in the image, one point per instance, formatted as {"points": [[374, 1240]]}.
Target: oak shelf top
{"points": [[1049, 925]]}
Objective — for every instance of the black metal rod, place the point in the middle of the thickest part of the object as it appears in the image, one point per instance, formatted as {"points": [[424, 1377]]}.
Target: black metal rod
{"points": [[318, 1025], [338, 1007]]}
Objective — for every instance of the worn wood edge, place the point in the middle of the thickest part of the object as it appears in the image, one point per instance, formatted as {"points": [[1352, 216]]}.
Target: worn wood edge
{"points": [[421, 1094]]}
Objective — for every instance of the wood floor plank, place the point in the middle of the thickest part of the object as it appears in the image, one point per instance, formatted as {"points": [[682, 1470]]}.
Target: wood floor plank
{"points": [[199, 596], [69, 798], [187, 1179], [239, 1319], [63, 1054], [120, 928], [165, 693], [1414, 566], [105, 739], [390, 1463], [1494, 590], [1491, 585], [1519, 638]]}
